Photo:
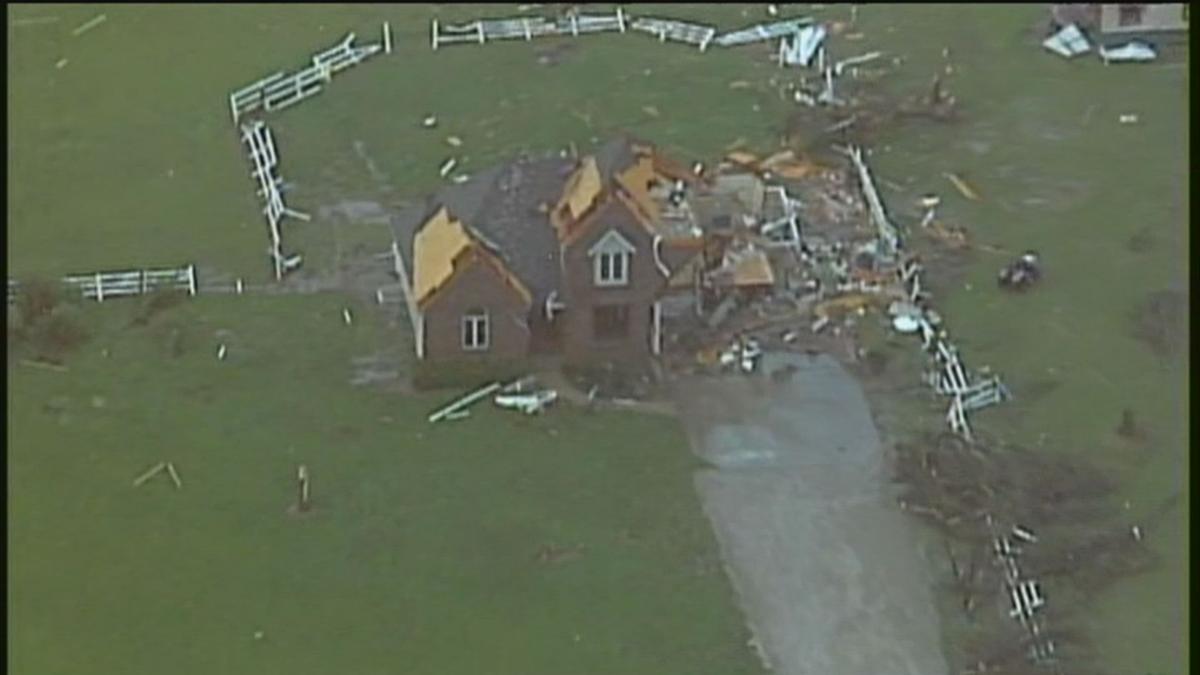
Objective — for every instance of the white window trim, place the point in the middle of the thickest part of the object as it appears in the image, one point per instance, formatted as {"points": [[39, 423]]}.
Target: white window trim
{"points": [[611, 247], [471, 320]]}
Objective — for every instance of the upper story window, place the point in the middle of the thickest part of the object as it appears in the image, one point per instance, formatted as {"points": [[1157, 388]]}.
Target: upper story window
{"points": [[475, 331], [1130, 15], [611, 258]]}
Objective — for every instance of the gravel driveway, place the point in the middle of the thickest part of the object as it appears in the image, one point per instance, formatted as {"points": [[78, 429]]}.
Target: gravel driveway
{"points": [[825, 566]]}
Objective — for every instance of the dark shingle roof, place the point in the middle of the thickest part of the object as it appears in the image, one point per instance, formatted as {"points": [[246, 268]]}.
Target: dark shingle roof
{"points": [[501, 206], [614, 156]]}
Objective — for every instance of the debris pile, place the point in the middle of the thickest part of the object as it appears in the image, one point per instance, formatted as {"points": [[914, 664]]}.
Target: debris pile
{"points": [[1022, 273]]}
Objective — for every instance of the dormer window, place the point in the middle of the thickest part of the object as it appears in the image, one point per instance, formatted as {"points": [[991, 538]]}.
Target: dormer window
{"points": [[611, 257]]}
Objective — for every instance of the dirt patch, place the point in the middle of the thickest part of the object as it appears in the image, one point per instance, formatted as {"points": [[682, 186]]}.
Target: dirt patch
{"points": [[1160, 322], [555, 54]]}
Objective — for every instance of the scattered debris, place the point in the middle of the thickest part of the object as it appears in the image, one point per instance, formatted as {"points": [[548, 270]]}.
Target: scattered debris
{"points": [[1131, 52], [1128, 119], [854, 61], [802, 46], [961, 185], [462, 403], [221, 352], [531, 403], [34, 21], [447, 167], [44, 365], [150, 473], [88, 25], [1021, 273], [454, 141], [1068, 42], [60, 64], [174, 476], [429, 121], [346, 315]]}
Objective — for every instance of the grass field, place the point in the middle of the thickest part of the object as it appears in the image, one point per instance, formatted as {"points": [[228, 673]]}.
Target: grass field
{"points": [[126, 156], [420, 554]]}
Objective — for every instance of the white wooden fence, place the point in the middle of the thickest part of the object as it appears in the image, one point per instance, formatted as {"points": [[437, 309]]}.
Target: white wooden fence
{"points": [[261, 145], [525, 28], [101, 286], [678, 31], [280, 90]]}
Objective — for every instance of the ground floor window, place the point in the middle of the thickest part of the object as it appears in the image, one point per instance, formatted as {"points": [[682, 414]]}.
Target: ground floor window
{"points": [[610, 322], [475, 333]]}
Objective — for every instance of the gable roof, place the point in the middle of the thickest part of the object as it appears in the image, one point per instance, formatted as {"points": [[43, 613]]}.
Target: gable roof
{"points": [[501, 208], [612, 242], [444, 247]]}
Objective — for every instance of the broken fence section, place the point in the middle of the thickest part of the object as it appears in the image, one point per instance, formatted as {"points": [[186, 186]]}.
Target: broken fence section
{"points": [[761, 32], [525, 28], [261, 145], [802, 46], [1028, 602], [889, 237], [280, 90], [675, 30]]}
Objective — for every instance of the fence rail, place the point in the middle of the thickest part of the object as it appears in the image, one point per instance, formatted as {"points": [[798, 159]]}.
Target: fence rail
{"points": [[101, 286], [525, 28]]}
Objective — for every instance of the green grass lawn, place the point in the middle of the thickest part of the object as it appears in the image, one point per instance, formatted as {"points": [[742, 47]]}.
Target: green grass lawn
{"points": [[420, 553], [127, 156]]}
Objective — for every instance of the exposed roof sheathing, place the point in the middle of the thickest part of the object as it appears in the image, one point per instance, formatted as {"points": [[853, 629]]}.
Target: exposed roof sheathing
{"points": [[435, 247]]}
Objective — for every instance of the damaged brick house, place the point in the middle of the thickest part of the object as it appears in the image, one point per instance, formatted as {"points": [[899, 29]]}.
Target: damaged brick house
{"points": [[548, 256]]}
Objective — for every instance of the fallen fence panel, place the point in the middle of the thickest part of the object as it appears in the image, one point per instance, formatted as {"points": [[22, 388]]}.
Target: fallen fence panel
{"points": [[760, 32]]}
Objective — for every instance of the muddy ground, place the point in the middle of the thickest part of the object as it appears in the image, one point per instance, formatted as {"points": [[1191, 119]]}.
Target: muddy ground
{"points": [[828, 571]]}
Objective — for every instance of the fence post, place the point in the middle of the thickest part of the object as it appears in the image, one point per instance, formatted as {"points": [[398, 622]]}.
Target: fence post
{"points": [[621, 19], [479, 29], [434, 37], [191, 270], [142, 273], [99, 288]]}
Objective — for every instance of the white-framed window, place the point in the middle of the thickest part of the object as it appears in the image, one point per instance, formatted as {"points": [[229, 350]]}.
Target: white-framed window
{"points": [[612, 269], [611, 258], [476, 333]]}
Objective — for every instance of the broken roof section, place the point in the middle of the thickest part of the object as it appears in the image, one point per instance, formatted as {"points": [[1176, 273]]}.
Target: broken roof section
{"points": [[436, 246], [1068, 42], [498, 207]]}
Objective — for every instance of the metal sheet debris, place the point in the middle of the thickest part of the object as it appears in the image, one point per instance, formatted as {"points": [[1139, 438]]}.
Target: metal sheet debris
{"points": [[1131, 52], [1067, 42]]}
